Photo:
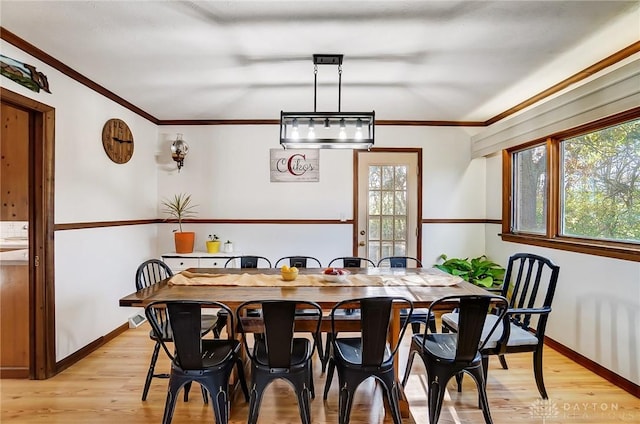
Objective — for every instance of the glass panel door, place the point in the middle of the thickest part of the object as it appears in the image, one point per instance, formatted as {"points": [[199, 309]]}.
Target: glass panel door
{"points": [[387, 207]]}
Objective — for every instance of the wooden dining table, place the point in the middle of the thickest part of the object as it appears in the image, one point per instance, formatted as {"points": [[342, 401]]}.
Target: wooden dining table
{"points": [[326, 295]]}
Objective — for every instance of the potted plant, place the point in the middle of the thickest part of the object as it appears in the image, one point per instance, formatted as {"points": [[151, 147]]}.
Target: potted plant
{"points": [[228, 246], [213, 244], [479, 271], [179, 207]]}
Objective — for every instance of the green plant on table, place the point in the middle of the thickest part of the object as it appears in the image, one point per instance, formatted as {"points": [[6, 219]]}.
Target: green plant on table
{"points": [[179, 207], [479, 271]]}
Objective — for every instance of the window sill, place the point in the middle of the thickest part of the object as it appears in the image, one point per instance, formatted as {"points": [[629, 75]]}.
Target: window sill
{"points": [[624, 251]]}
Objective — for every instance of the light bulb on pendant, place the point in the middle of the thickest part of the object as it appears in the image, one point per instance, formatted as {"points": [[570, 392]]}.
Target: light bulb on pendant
{"points": [[294, 130], [358, 135], [342, 135], [312, 133]]}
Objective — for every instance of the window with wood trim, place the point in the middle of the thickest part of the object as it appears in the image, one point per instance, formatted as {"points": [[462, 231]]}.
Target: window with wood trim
{"points": [[578, 190], [529, 208]]}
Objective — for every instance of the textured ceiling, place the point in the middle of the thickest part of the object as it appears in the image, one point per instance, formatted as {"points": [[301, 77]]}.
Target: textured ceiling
{"points": [[416, 60]]}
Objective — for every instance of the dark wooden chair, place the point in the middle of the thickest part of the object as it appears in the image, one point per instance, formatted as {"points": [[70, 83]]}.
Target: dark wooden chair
{"points": [[277, 353], [208, 362], [529, 284], [356, 358], [152, 272], [447, 355]]}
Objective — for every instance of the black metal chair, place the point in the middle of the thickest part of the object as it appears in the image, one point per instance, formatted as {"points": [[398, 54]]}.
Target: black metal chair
{"points": [[208, 362], [345, 262], [247, 261], [299, 261], [399, 262], [526, 279], [278, 354], [151, 272], [302, 262], [368, 354], [447, 355], [352, 262], [420, 315]]}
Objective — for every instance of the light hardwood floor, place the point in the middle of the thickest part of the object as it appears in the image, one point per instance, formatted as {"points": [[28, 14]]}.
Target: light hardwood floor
{"points": [[106, 387]]}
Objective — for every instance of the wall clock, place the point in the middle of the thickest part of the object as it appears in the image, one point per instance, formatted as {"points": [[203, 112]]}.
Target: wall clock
{"points": [[117, 140]]}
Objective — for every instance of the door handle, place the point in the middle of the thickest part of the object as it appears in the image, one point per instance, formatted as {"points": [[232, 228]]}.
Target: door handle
{"points": [[361, 244]]}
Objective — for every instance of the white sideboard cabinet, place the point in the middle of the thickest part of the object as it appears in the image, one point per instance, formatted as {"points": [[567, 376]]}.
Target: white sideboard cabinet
{"points": [[181, 261]]}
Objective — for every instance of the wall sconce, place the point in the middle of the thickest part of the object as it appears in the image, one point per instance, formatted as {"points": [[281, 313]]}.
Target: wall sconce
{"points": [[179, 149]]}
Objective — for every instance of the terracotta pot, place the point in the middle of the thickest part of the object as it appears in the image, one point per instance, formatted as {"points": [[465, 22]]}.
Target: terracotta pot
{"points": [[184, 241]]}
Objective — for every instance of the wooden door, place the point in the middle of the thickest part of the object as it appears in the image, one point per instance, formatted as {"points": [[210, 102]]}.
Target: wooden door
{"points": [[40, 171], [388, 207], [14, 272]]}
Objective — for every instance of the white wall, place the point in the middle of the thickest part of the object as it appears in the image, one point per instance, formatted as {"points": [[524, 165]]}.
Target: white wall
{"points": [[605, 93], [227, 173], [94, 268], [596, 308]]}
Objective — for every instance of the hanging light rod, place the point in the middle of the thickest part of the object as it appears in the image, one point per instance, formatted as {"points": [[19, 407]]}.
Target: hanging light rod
{"points": [[327, 130]]}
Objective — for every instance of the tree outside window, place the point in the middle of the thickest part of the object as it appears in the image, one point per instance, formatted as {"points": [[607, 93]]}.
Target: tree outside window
{"points": [[601, 184], [530, 188], [577, 190]]}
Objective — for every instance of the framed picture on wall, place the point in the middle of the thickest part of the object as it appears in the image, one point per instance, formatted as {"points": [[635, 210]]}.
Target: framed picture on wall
{"points": [[297, 165]]}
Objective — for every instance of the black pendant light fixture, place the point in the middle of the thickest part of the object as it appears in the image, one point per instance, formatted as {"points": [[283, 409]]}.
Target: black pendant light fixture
{"points": [[327, 130]]}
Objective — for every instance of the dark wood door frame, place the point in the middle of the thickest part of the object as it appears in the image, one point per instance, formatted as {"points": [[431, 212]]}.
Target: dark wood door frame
{"points": [[418, 152], [42, 363]]}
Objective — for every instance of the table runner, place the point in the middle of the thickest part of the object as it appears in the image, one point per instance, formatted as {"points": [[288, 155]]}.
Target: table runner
{"points": [[427, 277]]}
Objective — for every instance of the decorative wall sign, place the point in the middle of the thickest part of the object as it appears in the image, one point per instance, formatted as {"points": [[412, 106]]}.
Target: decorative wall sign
{"points": [[295, 165], [24, 74]]}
